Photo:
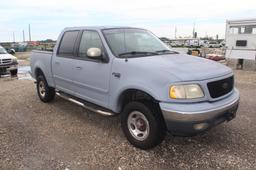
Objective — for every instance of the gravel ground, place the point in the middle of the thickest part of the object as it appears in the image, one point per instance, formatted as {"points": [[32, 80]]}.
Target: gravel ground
{"points": [[61, 135]]}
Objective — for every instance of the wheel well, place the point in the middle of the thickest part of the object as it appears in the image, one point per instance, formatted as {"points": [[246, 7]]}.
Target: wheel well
{"points": [[38, 72], [135, 95], [141, 96]]}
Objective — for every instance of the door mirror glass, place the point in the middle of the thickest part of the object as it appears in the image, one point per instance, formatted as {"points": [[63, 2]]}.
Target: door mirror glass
{"points": [[94, 53]]}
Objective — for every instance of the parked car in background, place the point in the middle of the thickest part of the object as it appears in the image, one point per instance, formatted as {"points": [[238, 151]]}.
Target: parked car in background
{"points": [[177, 44], [223, 43], [203, 43], [192, 43], [8, 63], [129, 71], [195, 43], [213, 44], [174, 44]]}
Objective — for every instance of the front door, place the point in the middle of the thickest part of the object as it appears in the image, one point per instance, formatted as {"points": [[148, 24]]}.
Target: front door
{"points": [[91, 76]]}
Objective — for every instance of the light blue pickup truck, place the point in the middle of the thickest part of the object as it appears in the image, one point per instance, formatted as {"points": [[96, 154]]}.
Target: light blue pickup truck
{"points": [[129, 71]]}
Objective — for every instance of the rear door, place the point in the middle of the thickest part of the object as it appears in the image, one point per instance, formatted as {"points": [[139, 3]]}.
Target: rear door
{"points": [[91, 76], [62, 64]]}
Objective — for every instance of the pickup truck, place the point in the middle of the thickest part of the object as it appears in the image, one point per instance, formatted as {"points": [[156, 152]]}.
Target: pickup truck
{"points": [[129, 71], [8, 63]]}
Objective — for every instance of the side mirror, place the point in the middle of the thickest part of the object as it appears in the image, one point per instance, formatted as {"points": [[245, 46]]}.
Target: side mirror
{"points": [[94, 53], [11, 51]]}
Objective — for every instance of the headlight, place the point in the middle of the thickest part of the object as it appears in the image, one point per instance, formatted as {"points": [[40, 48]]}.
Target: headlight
{"points": [[190, 91], [14, 60]]}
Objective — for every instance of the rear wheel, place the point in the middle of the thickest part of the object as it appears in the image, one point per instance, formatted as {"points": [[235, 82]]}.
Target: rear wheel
{"points": [[143, 125], [45, 93]]}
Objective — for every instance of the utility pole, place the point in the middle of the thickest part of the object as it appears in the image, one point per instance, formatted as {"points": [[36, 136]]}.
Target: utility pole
{"points": [[23, 35], [29, 32], [13, 36], [194, 30], [175, 33]]}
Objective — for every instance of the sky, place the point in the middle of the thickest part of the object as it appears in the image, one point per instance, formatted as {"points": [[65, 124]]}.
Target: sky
{"points": [[48, 17]]}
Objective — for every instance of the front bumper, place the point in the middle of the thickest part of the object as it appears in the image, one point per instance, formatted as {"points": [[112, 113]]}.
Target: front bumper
{"points": [[189, 119], [8, 67]]}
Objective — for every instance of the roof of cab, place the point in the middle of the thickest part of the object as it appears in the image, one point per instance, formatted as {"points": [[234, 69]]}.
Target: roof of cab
{"points": [[96, 27]]}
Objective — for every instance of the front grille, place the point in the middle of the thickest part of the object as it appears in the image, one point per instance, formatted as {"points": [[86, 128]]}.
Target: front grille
{"points": [[221, 87], [5, 61]]}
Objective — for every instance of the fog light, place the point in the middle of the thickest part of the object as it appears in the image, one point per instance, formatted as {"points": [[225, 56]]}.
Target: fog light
{"points": [[200, 126]]}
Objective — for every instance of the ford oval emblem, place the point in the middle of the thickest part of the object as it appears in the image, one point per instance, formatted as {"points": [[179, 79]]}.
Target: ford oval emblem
{"points": [[225, 85]]}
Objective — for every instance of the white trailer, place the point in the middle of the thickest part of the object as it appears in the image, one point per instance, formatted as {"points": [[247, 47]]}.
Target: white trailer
{"points": [[241, 39]]}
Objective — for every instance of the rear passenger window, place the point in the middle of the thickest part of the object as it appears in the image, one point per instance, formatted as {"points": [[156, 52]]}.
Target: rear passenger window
{"points": [[90, 39], [68, 43]]}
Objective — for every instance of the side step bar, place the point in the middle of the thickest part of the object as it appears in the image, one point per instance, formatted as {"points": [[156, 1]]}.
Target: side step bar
{"points": [[96, 109]]}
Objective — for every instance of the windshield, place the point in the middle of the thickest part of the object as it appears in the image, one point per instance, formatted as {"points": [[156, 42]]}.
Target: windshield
{"points": [[2, 50], [131, 42]]}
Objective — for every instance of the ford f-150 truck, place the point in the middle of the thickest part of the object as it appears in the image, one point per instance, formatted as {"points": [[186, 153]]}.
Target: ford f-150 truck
{"points": [[112, 70], [8, 63]]}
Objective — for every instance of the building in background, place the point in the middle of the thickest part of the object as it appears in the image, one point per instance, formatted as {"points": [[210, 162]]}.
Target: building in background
{"points": [[241, 39]]}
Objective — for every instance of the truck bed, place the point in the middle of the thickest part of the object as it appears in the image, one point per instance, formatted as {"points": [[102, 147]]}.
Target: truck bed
{"points": [[43, 60]]}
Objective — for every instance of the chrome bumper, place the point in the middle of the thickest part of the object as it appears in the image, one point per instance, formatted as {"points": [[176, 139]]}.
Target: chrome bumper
{"points": [[12, 67], [8, 67], [187, 115]]}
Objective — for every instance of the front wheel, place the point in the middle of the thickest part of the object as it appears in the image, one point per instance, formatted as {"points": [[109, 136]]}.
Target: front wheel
{"points": [[45, 93], [143, 125], [14, 72]]}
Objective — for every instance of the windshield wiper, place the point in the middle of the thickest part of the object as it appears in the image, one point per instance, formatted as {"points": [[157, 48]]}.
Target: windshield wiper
{"points": [[167, 52], [138, 53]]}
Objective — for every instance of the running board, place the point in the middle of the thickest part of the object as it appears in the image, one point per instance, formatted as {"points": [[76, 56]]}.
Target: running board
{"points": [[96, 109]]}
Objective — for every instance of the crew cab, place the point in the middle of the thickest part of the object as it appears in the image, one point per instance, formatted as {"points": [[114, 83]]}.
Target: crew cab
{"points": [[129, 71], [8, 63]]}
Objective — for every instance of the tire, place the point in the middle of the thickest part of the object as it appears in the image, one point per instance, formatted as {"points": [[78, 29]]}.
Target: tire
{"points": [[151, 132], [14, 72], [45, 93]]}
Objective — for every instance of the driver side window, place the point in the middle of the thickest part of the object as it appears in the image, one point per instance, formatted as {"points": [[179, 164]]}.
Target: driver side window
{"points": [[90, 39]]}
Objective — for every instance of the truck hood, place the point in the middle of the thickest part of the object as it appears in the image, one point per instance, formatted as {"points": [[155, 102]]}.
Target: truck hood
{"points": [[184, 67], [6, 56]]}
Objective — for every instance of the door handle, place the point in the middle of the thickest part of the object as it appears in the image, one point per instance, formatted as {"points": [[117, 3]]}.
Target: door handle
{"points": [[57, 63], [79, 68], [117, 75]]}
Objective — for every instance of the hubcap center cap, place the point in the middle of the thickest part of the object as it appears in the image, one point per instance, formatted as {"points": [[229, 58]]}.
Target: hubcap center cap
{"points": [[141, 124]]}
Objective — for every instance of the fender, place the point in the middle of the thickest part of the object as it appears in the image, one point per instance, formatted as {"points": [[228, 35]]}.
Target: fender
{"points": [[116, 104]]}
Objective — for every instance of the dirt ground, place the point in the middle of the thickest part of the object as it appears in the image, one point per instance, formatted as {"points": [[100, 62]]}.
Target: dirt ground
{"points": [[62, 135]]}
